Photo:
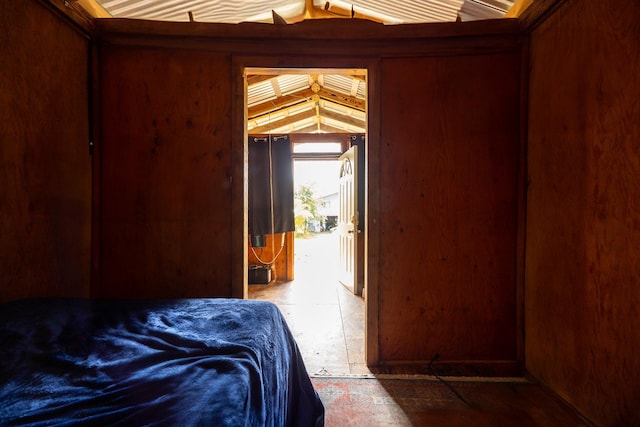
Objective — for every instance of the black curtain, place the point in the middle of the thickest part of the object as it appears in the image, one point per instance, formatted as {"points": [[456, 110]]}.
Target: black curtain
{"points": [[270, 167]]}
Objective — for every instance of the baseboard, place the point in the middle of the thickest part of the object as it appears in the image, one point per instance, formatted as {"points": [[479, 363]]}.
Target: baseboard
{"points": [[443, 368]]}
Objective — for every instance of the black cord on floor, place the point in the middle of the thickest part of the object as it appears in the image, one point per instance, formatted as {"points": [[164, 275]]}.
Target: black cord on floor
{"points": [[449, 386]]}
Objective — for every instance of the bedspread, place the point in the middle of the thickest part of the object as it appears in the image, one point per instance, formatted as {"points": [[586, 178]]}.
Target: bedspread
{"points": [[214, 362]]}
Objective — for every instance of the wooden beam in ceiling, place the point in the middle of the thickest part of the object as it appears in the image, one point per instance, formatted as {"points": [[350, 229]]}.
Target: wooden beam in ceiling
{"points": [[94, 8], [517, 8], [320, 137], [315, 127], [343, 118], [254, 79], [321, 129], [277, 114], [355, 84], [280, 103], [343, 99], [292, 99], [332, 129], [254, 72], [276, 87], [285, 121], [328, 11], [314, 110]]}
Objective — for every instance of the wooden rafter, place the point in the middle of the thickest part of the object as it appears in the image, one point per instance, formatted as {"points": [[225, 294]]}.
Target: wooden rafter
{"points": [[328, 128], [342, 118], [280, 103], [329, 11], [285, 121], [355, 84], [343, 99], [276, 88], [275, 121], [305, 95], [94, 8], [254, 79], [278, 113]]}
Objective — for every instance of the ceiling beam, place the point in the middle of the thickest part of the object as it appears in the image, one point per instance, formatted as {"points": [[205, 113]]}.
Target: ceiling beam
{"points": [[276, 87], [342, 99], [277, 114], [285, 121], [343, 118], [355, 85], [305, 95], [255, 72], [332, 129], [279, 103], [314, 111], [309, 130], [351, 13], [254, 79], [517, 8], [94, 8]]}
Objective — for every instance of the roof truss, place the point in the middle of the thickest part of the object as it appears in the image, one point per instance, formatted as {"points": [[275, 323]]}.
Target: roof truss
{"points": [[292, 101]]}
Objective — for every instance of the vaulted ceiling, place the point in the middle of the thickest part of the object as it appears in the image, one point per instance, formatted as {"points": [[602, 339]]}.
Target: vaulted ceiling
{"points": [[234, 11], [296, 101]]}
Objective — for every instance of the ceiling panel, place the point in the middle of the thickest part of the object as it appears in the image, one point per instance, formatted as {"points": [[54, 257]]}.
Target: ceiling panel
{"points": [[386, 11]]}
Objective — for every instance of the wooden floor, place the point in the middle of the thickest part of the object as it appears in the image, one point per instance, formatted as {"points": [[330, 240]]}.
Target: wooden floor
{"points": [[327, 321]]}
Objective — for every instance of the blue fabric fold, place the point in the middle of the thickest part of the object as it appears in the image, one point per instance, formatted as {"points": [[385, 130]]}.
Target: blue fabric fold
{"points": [[190, 362]]}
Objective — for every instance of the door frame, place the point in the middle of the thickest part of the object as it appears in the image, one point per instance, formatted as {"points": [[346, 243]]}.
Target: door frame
{"points": [[239, 168]]}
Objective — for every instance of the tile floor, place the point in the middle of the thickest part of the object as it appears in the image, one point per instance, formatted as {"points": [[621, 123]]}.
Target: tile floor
{"points": [[326, 319]]}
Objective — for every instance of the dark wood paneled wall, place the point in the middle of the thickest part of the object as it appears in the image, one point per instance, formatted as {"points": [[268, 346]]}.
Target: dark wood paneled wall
{"points": [[45, 167], [442, 188], [165, 188], [448, 200], [447, 183], [583, 220]]}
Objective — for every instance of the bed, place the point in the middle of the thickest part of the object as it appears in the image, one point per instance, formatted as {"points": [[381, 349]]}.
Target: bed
{"points": [[213, 362]]}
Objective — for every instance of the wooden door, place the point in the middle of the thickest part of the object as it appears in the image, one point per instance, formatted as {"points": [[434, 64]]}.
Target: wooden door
{"points": [[348, 219]]}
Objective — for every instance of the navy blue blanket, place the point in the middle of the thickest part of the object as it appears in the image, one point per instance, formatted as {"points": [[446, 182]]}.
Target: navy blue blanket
{"points": [[213, 362]]}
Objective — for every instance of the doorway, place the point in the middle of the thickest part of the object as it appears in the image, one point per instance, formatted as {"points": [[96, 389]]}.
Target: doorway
{"points": [[327, 319]]}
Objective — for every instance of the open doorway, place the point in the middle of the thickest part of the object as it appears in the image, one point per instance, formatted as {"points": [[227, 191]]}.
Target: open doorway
{"points": [[325, 109], [316, 209]]}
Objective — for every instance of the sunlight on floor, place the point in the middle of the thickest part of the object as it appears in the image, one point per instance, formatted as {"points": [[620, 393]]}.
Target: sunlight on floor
{"points": [[326, 319]]}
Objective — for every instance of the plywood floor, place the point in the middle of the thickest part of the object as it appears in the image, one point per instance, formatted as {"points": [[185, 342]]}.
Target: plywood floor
{"points": [[326, 319]]}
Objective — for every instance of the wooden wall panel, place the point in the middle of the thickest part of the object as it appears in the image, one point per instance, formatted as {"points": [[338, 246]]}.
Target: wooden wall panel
{"points": [[457, 293], [448, 202], [283, 255], [583, 220], [45, 167], [165, 185]]}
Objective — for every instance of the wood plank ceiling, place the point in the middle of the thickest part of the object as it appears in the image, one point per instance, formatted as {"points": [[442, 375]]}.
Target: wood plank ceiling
{"points": [[301, 101]]}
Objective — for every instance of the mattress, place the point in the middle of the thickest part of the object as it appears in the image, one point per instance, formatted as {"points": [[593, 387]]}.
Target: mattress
{"points": [[214, 362]]}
